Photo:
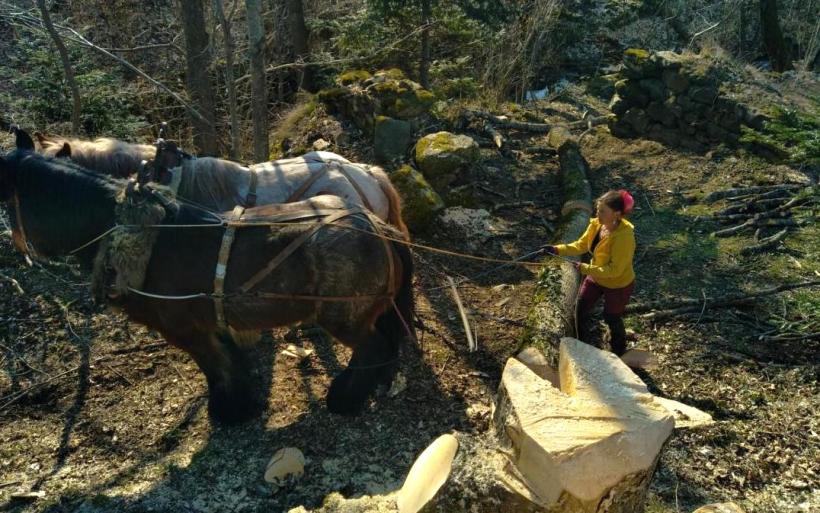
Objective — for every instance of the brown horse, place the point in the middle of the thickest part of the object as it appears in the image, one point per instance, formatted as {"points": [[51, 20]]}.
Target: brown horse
{"points": [[344, 276], [221, 184]]}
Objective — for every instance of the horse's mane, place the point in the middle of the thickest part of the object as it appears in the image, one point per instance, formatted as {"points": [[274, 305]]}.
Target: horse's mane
{"points": [[63, 193], [209, 177], [105, 155]]}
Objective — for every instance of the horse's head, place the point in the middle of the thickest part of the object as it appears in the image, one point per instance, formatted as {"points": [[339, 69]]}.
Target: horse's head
{"points": [[166, 161]]}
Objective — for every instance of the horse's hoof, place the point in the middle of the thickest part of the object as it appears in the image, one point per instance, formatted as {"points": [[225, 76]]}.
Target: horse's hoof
{"points": [[343, 397], [231, 409]]}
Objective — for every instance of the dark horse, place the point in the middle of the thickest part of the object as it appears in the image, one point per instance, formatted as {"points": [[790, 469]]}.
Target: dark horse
{"points": [[344, 277]]}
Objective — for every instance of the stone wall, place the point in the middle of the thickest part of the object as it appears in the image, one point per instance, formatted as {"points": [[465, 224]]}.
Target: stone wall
{"points": [[679, 100]]}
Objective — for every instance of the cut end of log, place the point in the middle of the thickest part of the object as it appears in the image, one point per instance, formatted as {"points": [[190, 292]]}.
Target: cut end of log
{"points": [[429, 472], [596, 436]]}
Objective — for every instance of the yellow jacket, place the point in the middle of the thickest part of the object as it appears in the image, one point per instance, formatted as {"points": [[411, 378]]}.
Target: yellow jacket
{"points": [[611, 264]]}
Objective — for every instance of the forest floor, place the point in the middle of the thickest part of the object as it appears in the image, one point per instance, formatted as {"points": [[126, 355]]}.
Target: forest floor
{"points": [[100, 415]]}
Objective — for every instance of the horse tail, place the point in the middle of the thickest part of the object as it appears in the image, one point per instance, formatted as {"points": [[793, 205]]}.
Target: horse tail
{"points": [[397, 322], [393, 200]]}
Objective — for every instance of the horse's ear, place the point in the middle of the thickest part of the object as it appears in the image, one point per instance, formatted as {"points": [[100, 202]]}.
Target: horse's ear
{"points": [[65, 152], [23, 140], [42, 139]]}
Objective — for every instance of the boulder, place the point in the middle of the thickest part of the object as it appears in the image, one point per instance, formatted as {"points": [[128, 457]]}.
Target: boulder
{"points": [[400, 98], [590, 446], [443, 155], [703, 94], [353, 76], [420, 202], [618, 105], [639, 64], [391, 138], [637, 119], [654, 88], [631, 91], [675, 81], [660, 112]]}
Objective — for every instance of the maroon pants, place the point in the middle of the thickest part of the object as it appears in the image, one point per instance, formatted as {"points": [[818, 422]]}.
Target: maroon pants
{"points": [[615, 301]]}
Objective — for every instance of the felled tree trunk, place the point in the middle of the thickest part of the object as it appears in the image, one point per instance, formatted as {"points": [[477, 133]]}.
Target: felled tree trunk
{"points": [[590, 446]]}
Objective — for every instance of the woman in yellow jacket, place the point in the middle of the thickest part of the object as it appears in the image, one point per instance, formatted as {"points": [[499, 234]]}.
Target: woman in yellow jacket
{"points": [[610, 239]]}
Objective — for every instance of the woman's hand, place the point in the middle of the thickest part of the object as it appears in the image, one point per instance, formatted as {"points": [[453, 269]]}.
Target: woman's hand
{"points": [[551, 250]]}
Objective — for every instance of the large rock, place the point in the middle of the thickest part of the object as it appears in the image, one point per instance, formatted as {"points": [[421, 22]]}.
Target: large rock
{"points": [[391, 138], [443, 155], [590, 446], [420, 202]]}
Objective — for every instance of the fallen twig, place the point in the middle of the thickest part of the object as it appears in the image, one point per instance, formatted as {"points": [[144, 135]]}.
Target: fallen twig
{"points": [[14, 283], [737, 192], [470, 341], [766, 243], [714, 302]]}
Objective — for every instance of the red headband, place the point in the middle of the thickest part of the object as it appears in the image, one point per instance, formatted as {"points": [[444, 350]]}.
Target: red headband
{"points": [[629, 201]]}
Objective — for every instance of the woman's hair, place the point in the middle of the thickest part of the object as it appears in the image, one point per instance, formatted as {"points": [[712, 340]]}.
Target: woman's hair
{"points": [[619, 201]]}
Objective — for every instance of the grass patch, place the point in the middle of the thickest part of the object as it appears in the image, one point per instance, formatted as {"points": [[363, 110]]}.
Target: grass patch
{"points": [[789, 135]]}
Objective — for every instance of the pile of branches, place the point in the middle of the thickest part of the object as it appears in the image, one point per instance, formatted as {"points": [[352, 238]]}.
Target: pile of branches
{"points": [[764, 208]]}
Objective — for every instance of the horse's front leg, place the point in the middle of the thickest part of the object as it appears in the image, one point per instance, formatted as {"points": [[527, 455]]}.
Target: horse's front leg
{"points": [[231, 397]]}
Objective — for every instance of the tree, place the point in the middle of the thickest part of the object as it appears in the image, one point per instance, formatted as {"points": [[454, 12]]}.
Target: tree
{"points": [[299, 36], [197, 78], [224, 22], [481, 10], [67, 68], [776, 48], [259, 96]]}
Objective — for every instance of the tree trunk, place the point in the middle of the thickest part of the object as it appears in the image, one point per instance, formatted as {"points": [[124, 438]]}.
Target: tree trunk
{"points": [[299, 36], [219, 11], [424, 63], [259, 96], [67, 68], [198, 81], [773, 42]]}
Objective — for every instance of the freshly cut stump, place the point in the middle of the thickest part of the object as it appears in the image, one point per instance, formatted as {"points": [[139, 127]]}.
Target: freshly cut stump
{"points": [[590, 446]]}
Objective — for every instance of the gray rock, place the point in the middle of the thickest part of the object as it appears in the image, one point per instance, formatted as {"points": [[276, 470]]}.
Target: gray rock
{"points": [[420, 202], [632, 92], [618, 105], [659, 112], [443, 155], [654, 88], [675, 81], [637, 119], [668, 60], [703, 94], [391, 138]]}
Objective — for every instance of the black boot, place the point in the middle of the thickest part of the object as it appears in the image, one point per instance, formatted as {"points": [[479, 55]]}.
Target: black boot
{"points": [[617, 333]]}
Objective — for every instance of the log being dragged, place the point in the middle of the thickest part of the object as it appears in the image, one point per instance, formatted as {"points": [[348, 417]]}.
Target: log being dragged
{"points": [[592, 444]]}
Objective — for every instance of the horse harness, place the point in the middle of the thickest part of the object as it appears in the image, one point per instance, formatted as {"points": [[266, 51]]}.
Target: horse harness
{"points": [[27, 249], [332, 165], [329, 216]]}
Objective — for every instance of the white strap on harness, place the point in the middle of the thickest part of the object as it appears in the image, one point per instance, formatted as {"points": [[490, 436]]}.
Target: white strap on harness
{"points": [[222, 267]]}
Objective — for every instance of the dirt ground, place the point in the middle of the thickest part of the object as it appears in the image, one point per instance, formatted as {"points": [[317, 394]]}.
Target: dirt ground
{"points": [[100, 415]]}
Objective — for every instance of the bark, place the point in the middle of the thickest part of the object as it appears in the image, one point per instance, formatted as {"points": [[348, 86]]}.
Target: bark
{"points": [[68, 69], [424, 61], [197, 78], [773, 41], [299, 37], [219, 12], [259, 90]]}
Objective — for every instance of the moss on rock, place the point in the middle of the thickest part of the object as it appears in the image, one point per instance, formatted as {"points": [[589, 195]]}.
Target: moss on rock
{"points": [[441, 156], [353, 76], [420, 202]]}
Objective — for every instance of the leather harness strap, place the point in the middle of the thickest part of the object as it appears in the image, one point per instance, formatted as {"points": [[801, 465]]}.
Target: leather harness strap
{"points": [[297, 194], [293, 246], [250, 199], [350, 179], [222, 268]]}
